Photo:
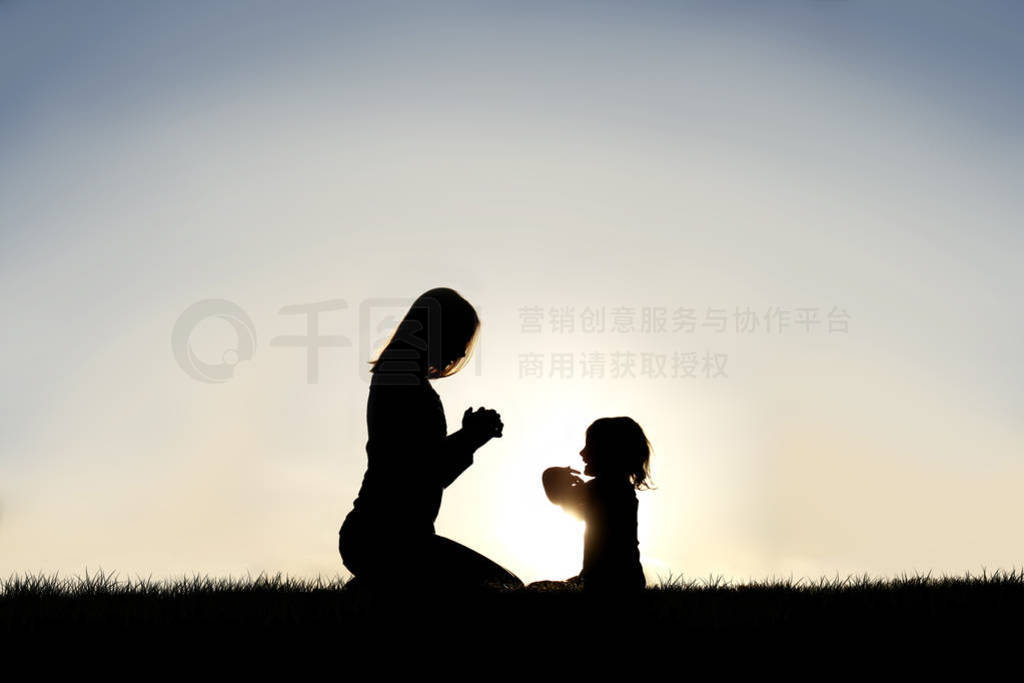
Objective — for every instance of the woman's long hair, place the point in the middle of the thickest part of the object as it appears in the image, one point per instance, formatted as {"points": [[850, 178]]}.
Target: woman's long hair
{"points": [[434, 339]]}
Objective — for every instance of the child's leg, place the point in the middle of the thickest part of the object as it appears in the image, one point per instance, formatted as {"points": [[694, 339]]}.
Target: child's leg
{"points": [[575, 583]]}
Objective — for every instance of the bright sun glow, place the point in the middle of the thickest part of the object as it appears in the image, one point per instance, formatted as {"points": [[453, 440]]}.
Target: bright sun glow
{"points": [[546, 542]]}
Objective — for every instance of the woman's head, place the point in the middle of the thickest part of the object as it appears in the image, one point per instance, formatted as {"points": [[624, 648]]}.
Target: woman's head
{"points": [[618, 446], [434, 339]]}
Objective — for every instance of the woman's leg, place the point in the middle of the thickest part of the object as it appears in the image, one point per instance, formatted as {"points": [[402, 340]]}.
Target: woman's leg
{"points": [[376, 557], [454, 564]]}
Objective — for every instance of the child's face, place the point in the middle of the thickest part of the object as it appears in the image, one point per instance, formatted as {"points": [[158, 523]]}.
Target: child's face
{"points": [[589, 460]]}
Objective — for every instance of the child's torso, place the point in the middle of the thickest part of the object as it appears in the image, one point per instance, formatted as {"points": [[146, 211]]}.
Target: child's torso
{"points": [[610, 547]]}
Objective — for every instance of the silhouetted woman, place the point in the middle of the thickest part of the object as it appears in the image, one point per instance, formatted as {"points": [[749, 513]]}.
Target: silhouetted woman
{"points": [[388, 538]]}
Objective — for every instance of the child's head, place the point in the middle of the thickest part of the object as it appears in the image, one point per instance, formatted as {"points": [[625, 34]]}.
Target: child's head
{"points": [[618, 446]]}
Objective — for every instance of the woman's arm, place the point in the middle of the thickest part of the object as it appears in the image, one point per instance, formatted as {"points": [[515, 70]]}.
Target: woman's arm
{"points": [[456, 452], [410, 424], [565, 489], [456, 455]]}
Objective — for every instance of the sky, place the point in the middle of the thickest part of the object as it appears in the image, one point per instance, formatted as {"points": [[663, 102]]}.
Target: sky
{"points": [[704, 163]]}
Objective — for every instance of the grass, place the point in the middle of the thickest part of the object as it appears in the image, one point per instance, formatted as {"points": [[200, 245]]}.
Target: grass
{"points": [[907, 604]]}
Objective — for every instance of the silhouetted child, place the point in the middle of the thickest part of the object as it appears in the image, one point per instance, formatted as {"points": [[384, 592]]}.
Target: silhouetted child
{"points": [[617, 455]]}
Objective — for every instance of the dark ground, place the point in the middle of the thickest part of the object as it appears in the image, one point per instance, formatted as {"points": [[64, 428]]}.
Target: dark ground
{"points": [[918, 607]]}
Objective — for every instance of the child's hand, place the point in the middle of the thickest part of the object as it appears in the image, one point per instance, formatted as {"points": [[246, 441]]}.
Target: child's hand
{"points": [[564, 488], [561, 477]]}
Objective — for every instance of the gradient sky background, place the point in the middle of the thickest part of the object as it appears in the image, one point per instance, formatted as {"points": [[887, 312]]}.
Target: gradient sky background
{"points": [[862, 155]]}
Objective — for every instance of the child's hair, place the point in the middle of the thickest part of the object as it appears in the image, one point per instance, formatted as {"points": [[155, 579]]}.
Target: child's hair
{"points": [[625, 439]]}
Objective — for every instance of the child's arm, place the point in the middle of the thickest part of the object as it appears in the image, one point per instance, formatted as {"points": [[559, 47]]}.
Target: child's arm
{"points": [[565, 489]]}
